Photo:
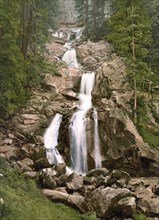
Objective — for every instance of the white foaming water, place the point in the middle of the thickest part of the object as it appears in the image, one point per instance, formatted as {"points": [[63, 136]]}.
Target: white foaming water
{"points": [[50, 140], [98, 163], [78, 125], [70, 58], [77, 31]]}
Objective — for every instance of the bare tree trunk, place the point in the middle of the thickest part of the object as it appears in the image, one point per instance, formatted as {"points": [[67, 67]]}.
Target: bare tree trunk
{"points": [[94, 14], [87, 7], [103, 9], [27, 29], [133, 56], [24, 28], [135, 102]]}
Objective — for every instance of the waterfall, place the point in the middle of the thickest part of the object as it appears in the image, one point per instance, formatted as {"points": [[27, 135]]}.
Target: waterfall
{"points": [[70, 58], [98, 163], [50, 140], [78, 125], [78, 122]]}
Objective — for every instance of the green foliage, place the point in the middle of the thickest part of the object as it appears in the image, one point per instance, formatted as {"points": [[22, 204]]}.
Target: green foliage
{"points": [[148, 131], [92, 15], [82, 7], [12, 74], [130, 31], [153, 8], [23, 34], [89, 216], [24, 201], [98, 33], [141, 217]]}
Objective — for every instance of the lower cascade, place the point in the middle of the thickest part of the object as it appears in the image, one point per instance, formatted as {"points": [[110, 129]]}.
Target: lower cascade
{"points": [[98, 163], [50, 140], [78, 139], [77, 131]]}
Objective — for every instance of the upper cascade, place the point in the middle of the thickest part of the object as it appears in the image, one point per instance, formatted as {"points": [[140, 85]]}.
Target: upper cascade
{"points": [[70, 58], [87, 84]]}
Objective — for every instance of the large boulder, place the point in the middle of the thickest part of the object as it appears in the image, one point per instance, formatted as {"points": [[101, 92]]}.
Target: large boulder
{"points": [[75, 182], [105, 201], [149, 206], [127, 207], [47, 178], [92, 54], [75, 201], [97, 172], [55, 49]]}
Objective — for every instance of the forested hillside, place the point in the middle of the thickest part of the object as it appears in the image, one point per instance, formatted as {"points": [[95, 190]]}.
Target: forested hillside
{"points": [[23, 33]]}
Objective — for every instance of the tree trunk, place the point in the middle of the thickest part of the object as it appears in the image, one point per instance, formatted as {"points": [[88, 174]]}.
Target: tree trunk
{"points": [[94, 14], [103, 9], [135, 102], [87, 7], [133, 56], [24, 28]]}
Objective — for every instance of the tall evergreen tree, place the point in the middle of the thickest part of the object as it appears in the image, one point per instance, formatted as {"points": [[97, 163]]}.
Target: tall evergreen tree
{"points": [[131, 37], [82, 7], [12, 74], [92, 14], [23, 32], [153, 8]]}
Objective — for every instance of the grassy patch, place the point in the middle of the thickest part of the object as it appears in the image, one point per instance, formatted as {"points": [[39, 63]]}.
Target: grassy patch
{"points": [[145, 126], [151, 137], [24, 201], [141, 217]]}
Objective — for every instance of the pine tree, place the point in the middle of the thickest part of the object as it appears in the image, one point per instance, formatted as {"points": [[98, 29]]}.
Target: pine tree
{"points": [[23, 34], [82, 7], [92, 14], [153, 61], [131, 37], [12, 74]]}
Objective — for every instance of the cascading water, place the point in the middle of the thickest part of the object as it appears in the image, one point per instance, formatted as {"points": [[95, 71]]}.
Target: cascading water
{"points": [[70, 58], [78, 125], [50, 140], [98, 163], [78, 122]]}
